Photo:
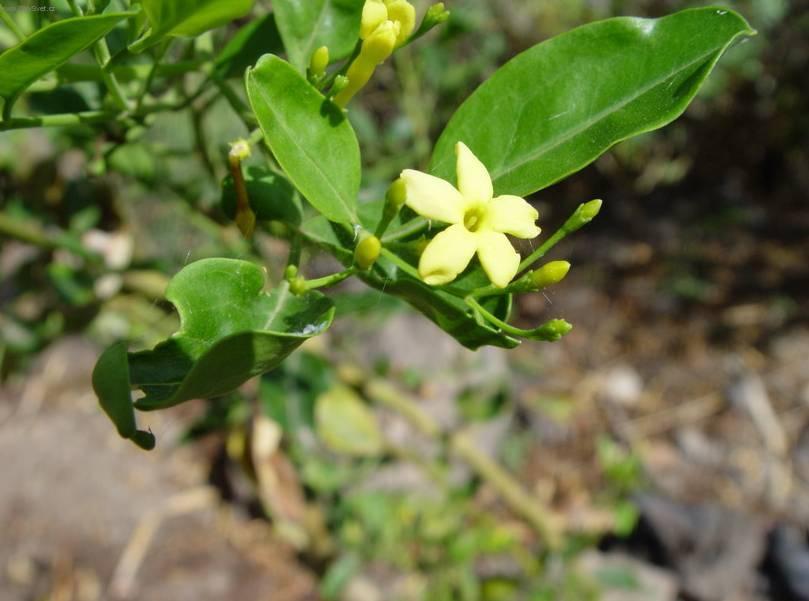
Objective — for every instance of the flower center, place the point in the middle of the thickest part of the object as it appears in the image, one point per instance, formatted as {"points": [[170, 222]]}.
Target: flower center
{"points": [[474, 217]]}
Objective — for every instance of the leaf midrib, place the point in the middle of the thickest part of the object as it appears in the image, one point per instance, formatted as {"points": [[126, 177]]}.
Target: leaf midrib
{"points": [[573, 132], [346, 206]]}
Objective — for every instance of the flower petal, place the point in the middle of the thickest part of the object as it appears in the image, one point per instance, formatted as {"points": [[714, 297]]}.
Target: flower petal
{"points": [[499, 259], [447, 255], [473, 177], [513, 215], [403, 13], [374, 12], [432, 197]]}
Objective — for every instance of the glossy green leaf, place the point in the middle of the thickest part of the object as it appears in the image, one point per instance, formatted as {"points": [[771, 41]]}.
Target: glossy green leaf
{"points": [[272, 198], [346, 425], [306, 26], [257, 38], [111, 385], [231, 330], [50, 47], [556, 107], [310, 136], [446, 310], [187, 18]]}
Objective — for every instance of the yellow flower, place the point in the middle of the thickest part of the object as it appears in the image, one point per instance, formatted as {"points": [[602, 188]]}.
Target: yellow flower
{"points": [[376, 12], [479, 222]]}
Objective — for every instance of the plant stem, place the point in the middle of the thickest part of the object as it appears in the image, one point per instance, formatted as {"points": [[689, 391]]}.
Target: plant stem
{"points": [[413, 226], [147, 84], [540, 252], [496, 321], [330, 280], [401, 264], [84, 117], [32, 233], [11, 24]]}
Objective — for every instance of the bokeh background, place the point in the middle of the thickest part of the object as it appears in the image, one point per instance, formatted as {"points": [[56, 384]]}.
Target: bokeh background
{"points": [[667, 435]]}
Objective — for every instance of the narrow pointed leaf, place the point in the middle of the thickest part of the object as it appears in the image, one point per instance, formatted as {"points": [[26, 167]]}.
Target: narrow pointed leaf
{"points": [[311, 138], [49, 48], [556, 107]]}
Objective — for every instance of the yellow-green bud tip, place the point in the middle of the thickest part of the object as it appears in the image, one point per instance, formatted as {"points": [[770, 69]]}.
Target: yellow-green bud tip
{"points": [[298, 285], [340, 82], [367, 252], [239, 149], [589, 210], [291, 272], [436, 15], [549, 274], [319, 61], [397, 194]]}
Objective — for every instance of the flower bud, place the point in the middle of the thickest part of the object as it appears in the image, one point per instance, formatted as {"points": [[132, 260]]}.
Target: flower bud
{"points": [[396, 194], [435, 15], [374, 12], [239, 150], [552, 330], [340, 83], [291, 272], [549, 274], [319, 61], [298, 285], [583, 215], [367, 252]]}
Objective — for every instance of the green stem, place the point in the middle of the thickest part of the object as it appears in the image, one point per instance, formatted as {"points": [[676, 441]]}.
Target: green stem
{"points": [[158, 57], [330, 280], [84, 117], [11, 24], [236, 103], [400, 263], [414, 226], [494, 320], [540, 252], [550, 331]]}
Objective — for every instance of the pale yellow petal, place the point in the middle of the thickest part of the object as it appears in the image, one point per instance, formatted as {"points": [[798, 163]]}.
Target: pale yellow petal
{"points": [[499, 259], [403, 13], [473, 177], [513, 215], [432, 197], [374, 12], [447, 255]]}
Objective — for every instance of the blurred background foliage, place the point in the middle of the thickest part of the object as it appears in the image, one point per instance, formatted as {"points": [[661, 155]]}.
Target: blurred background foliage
{"points": [[672, 420]]}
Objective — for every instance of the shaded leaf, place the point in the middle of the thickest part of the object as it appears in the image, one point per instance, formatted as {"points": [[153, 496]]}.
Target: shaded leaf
{"points": [[306, 26], [310, 137], [50, 47], [187, 18], [556, 107]]}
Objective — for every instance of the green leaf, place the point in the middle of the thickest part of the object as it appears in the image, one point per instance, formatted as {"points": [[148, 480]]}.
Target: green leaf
{"points": [[556, 107], [272, 198], [50, 47], [111, 385], [252, 41], [187, 18], [310, 136], [306, 26], [346, 425], [231, 330]]}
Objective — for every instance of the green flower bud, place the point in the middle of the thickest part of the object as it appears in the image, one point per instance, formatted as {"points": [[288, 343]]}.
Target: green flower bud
{"points": [[290, 273], [583, 215], [549, 274], [367, 252], [340, 82], [319, 61], [552, 330], [397, 194], [298, 285], [435, 15]]}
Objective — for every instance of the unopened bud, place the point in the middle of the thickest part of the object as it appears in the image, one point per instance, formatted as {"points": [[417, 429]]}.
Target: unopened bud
{"points": [[239, 150], [435, 15], [367, 252], [291, 272], [583, 215], [396, 194], [340, 83], [319, 61], [298, 285], [549, 274], [552, 330]]}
